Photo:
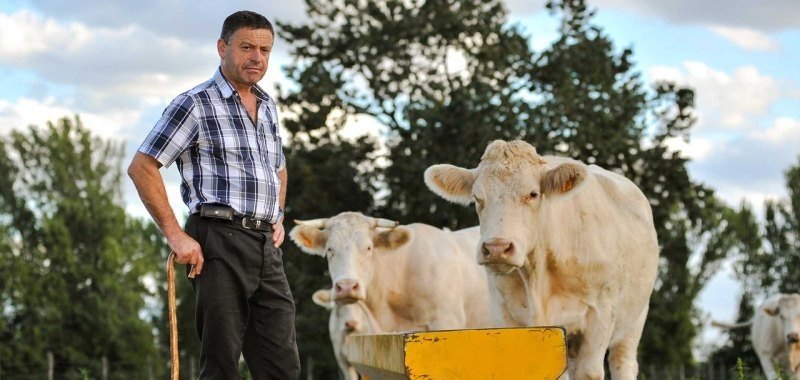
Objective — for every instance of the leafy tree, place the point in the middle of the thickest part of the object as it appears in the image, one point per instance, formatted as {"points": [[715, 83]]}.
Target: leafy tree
{"points": [[445, 77], [772, 269], [738, 345], [394, 61], [73, 279]]}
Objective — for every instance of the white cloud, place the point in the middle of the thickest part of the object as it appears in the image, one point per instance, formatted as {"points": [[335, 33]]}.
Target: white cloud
{"points": [[773, 15], [746, 38], [724, 100], [24, 112], [25, 34], [784, 131], [697, 149]]}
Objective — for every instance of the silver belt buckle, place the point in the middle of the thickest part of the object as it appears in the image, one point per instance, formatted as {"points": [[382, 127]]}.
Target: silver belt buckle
{"points": [[244, 223]]}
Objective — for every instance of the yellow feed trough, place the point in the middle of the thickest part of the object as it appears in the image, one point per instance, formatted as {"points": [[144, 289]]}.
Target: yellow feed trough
{"points": [[508, 353]]}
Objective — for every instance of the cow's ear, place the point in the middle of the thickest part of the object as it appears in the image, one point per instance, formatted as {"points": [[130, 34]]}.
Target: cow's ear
{"points": [[451, 182], [771, 309], [392, 239], [563, 178], [322, 298], [310, 239]]}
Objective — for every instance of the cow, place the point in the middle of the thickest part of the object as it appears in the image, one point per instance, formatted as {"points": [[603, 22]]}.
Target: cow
{"points": [[344, 320], [775, 334], [579, 239], [411, 277]]}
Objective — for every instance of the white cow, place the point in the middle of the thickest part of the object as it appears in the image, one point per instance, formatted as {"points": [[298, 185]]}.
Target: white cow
{"points": [[776, 325], [578, 238], [345, 319], [412, 277]]}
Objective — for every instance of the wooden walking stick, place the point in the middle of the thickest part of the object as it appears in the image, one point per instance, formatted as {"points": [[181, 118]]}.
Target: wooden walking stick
{"points": [[173, 315]]}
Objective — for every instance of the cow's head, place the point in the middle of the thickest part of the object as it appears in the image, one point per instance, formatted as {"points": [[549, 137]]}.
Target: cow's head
{"points": [[787, 309], [345, 319], [350, 241], [509, 188]]}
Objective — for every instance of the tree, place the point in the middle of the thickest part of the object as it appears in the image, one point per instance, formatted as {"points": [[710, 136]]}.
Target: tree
{"points": [[395, 62], [772, 269], [432, 72], [73, 280]]}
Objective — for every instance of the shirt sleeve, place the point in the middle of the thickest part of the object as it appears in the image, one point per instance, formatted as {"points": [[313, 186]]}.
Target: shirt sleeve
{"points": [[175, 131]]}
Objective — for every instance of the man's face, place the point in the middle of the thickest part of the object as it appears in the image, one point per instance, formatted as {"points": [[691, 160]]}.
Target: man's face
{"points": [[245, 57]]}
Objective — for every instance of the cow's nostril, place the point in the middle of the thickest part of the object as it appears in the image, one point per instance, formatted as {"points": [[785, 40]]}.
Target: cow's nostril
{"points": [[509, 250], [793, 337], [485, 251]]}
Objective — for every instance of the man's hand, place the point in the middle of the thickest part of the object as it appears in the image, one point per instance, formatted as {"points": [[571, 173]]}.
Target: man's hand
{"points": [[187, 251], [278, 233]]}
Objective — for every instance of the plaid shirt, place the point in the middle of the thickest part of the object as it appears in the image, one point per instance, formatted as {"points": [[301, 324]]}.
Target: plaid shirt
{"points": [[221, 156]]}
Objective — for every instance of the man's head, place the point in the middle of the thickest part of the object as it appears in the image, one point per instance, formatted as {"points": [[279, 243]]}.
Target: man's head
{"points": [[244, 47]]}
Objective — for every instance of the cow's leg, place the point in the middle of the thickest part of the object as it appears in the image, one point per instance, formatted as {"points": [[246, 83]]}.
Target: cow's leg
{"points": [[622, 354], [767, 365], [596, 335]]}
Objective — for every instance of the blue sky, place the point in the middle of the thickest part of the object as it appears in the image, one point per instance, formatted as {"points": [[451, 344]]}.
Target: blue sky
{"points": [[118, 63]]}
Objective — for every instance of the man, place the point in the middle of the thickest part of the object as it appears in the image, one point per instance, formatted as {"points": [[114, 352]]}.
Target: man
{"points": [[223, 135]]}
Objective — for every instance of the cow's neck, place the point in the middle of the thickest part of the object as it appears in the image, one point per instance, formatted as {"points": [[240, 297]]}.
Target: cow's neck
{"points": [[385, 297]]}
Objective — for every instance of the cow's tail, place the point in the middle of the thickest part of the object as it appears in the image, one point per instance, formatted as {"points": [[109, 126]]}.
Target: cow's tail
{"points": [[724, 325]]}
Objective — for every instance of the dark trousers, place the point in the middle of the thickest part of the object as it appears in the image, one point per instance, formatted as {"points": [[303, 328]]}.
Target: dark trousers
{"points": [[244, 304]]}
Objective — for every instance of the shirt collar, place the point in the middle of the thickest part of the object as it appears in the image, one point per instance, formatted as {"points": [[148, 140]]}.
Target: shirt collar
{"points": [[227, 90]]}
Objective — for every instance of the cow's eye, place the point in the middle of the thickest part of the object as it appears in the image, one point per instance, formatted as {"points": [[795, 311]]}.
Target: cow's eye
{"points": [[533, 195], [329, 252]]}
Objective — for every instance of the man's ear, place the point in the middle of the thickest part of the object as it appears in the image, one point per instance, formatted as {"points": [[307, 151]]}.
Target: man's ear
{"points": [[221, 46]]}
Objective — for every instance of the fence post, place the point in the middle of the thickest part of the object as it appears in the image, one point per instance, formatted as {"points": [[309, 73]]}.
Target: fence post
{"points": [[50, 365], [683, 372], [105, 368]]}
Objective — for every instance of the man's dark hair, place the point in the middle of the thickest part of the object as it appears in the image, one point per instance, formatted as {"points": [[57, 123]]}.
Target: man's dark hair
{"points": [[244, 19]]}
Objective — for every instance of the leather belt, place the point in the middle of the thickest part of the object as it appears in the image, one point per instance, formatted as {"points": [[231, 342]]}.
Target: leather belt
{"points": [[252, 224], [223, 212]]}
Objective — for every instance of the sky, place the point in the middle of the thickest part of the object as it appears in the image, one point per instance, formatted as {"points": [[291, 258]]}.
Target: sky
{"points": [[117, 64]]}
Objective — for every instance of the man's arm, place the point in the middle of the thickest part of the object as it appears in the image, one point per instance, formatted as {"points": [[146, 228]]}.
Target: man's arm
{"points": [[145, 174], [279, 232]]}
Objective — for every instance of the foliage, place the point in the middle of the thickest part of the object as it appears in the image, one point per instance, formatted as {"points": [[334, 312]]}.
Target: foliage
{"points": [[73, 271], [394, 62]]}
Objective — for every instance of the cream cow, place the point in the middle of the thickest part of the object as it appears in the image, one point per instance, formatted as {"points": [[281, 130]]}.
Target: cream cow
{"points": [[411, 277], [345, 319], [775, 334], [580, 239]]}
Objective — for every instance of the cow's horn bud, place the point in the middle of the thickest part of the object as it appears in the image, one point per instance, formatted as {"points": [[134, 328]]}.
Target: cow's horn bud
{"points": [[315, 223], [386, 223]]}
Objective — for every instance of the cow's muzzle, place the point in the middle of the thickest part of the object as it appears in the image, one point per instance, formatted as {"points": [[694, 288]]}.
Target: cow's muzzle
{"points": [[346, 291], [497, 250], [792, 338]]}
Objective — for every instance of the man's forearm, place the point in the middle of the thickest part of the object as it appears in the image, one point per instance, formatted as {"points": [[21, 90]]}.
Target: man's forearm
{"points": [[282, 193], [144, 172]]}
